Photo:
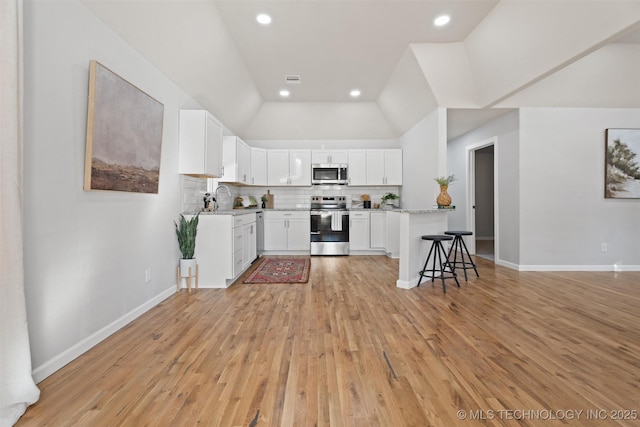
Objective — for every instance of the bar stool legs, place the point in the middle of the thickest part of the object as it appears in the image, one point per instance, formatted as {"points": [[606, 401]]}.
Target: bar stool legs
{"points": [[441, 267], [459, 246]]}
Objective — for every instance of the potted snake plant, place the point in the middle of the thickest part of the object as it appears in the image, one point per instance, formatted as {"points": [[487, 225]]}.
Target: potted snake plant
{"points": [[186, 230]]}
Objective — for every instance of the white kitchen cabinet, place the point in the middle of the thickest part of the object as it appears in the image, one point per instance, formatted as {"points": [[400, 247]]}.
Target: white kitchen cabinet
{"points": [[378, 221], [248, 245], [225, 247], [236, 161], [258, 166], [357, 171], [278, 167], [359, 233], [329, 156], [287, 231], [200, 144], [289, 167], [300, 167], [244, 242], [384, 167], [393, 234]]}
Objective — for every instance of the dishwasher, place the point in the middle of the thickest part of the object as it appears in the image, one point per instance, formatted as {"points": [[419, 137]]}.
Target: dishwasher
{"points": [[259, 233]]}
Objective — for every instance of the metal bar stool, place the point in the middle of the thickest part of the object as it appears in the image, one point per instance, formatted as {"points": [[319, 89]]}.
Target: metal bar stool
{"points": [[440, 259], [459, 245]]}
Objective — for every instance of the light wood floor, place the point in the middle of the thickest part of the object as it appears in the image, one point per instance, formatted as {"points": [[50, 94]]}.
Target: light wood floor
{"points": [[351, 349]]}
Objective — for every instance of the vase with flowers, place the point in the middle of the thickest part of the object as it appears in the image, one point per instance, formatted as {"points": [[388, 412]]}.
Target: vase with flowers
{"points": [[444, 199]]}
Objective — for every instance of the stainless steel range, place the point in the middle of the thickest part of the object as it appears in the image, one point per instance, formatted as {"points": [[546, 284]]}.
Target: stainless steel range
{"points": [[329, 225]]}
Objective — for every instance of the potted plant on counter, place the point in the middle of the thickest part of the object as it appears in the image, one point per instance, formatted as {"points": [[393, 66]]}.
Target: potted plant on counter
{"points": [[390, 199], [186, 230]]}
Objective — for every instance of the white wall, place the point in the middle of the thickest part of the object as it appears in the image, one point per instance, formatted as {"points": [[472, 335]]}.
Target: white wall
{"points": [[551, 206], [86, 252], [424, 158], [564, 215], [505, 130]]}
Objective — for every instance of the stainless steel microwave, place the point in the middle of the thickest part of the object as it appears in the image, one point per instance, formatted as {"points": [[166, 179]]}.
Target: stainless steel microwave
{"points": [[329, 173]]}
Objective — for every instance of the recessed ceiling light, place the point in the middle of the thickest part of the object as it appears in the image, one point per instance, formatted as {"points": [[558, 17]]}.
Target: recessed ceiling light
{"points": [[284, 93], [354, 93], [263, 19], [441, 20]]}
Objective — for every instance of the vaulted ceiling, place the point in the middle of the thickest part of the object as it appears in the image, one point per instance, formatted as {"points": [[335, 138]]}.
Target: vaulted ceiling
{"points": [[493, 56]]}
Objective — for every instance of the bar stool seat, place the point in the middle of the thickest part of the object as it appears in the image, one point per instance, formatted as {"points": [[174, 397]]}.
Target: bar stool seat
{"points": [[441, 267], [459, 246]]}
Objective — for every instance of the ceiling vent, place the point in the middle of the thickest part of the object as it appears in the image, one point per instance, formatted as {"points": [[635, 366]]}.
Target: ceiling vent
{"points": [[292, 79]]}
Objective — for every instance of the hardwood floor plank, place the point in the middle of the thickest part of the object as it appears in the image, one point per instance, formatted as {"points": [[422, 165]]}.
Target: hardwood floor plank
{"points": [[351, 349]]}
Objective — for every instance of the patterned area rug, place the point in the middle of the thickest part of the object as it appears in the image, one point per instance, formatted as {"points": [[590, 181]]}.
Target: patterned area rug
{"points": [[281, 270]]}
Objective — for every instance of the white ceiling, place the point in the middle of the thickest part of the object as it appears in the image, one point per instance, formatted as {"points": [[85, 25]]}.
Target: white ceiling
{"points": [[336, 46], [505, 54]]}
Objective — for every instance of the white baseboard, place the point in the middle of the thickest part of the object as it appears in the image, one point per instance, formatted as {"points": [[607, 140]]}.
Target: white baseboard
{"points": [[579, 267], [407, 284], [43, 371]]}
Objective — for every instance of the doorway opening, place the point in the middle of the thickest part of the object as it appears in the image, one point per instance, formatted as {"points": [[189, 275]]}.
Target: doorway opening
{"points": [[482, 212]]}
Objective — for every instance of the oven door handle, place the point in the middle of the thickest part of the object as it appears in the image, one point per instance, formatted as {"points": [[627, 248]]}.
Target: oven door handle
{"points": [[315, 232]]}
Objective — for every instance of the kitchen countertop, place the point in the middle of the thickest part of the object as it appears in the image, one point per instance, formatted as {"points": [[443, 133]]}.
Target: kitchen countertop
{"points": [[399, 210], [244, 211]]}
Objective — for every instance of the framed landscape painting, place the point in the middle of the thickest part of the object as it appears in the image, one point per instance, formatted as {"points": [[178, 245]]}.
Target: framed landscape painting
{"points": [[124, 135], [622, 164]]}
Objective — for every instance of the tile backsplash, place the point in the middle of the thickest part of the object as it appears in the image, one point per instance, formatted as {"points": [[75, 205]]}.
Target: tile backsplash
{"points": [[193, 190], [300, 197]]}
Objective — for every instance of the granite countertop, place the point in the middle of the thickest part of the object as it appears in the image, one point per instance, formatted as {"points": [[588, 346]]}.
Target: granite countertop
{"points": [[400, 210], [421, 211], [244, 211]]}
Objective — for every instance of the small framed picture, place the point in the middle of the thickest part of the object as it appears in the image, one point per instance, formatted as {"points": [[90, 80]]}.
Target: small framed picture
{"points": [[622, 164]]}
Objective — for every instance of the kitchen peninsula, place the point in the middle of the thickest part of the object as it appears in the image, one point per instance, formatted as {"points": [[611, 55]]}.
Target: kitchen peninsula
{"points": [[414, 223], [234, 248]]}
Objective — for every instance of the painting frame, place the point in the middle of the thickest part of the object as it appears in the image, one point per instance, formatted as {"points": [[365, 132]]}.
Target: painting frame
{"points": [[124, 135], [622, 163]]}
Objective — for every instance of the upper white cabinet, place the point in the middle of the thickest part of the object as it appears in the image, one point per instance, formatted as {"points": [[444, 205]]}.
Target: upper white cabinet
{"points": [[258, 166], [236, 161], [384, 167], [278, 167], [289, 167], [200, 142], [329, 156], [357, 172]]}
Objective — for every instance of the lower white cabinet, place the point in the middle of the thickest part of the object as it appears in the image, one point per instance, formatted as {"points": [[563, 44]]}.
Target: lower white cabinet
{"points": [[287, 231], [225, 247], [359, 233], [244, 242], [378, 230], [393, 234]]}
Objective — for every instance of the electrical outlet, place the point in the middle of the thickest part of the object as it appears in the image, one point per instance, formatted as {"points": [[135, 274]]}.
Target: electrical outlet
{"points": [[147, 275], [604, 247]]}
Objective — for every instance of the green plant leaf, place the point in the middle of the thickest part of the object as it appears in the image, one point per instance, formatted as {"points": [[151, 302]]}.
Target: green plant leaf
{"points": [[186, 231]]}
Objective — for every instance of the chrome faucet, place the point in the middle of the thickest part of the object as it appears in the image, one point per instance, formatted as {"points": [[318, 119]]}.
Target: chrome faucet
{"points": [[215, 194]]}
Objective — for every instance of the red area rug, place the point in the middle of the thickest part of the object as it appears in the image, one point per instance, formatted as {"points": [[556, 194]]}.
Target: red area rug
{"points": [[281, 270]]}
